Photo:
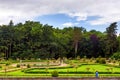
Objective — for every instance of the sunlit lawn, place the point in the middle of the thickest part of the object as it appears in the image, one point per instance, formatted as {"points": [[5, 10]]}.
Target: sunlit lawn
{"points": [[74, 68], [92, 68], [66, 71]]}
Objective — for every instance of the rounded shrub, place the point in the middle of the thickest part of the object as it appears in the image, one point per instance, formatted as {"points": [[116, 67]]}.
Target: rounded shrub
{"points": [[97, 60], [18, 65], [7, 64], [101, 60], [28, 66], [23, 64], [0, 66], [54, 73]]}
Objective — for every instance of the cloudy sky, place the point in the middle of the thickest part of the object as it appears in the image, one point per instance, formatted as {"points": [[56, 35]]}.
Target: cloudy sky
{"points": [[91, 14]]}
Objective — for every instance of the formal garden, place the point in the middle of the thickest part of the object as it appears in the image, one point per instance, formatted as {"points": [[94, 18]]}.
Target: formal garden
{"points": [[60, 68]]}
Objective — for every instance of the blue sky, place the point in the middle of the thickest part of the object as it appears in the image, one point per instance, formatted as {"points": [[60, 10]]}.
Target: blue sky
{"points": [[59, 20], [90, 14]]}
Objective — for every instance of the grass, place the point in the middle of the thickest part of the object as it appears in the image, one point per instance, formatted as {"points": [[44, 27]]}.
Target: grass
{"points": [[22, 74], [74, 69], [82, 68], [63, 72]]}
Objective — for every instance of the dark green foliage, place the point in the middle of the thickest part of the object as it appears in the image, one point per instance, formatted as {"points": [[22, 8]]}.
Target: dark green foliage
{"points": [[33, 40], [101, 60], [7, 63], [116, 56], [18, 65], [77, 33], [55, 74], [28, 66], [111, 39]]}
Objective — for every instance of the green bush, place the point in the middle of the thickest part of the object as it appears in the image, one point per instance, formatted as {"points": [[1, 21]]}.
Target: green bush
{"points": [[7, 63], [0, 66], [97, 60], [54, 73], [23, 64], [18, 65], [101, 60], [116, 56], [28, 66]]}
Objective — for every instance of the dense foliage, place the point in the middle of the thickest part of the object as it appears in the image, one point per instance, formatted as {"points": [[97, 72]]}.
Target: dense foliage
{"points": [[116, 56], [33, 40]]}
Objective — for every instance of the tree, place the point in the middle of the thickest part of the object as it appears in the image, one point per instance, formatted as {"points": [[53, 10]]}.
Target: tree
{"points": [[111, 31], [47, 38], [6, 35], [77, 34], [95, 45], [11, 23], [118, 38], [111, 41], [35, 40]]}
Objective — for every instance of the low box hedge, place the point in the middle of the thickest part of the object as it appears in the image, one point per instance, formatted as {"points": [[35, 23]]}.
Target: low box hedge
{"points": [[65, 72]]}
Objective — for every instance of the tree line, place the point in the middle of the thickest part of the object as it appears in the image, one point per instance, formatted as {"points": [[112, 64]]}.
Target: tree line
{"points": [[33, 40]]}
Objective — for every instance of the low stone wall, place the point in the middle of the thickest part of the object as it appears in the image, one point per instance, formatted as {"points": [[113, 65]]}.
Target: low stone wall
{"points": [[59, 78]]}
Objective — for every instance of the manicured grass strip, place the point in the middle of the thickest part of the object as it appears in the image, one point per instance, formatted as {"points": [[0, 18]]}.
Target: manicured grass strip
{"points": [[82, 69], [22, 74]]}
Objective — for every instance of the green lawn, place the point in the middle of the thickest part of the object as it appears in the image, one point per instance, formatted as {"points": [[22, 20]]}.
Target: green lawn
{"points": [[82, 68], [81, 71], [74, 68]]}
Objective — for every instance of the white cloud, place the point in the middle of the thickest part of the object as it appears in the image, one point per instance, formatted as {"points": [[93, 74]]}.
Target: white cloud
{"points": [[68, 24], [105, 20], [21, 10], [80, 16]]}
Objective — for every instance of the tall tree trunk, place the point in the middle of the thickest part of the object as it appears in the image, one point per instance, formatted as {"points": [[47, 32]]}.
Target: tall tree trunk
{"points": [[76, 48], [9, 51]]}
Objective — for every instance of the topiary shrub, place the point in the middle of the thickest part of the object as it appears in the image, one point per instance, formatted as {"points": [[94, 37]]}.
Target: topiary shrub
{"points": [[23, 64], [101, 60], [18, 65], [7, 64], [97, 60], [28, 66], [0, 66], [54, 73]]}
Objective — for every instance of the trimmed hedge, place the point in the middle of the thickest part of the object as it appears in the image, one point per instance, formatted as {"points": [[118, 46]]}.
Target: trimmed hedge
{"points": [[71, 72], [43, 70], [51, 68]]}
